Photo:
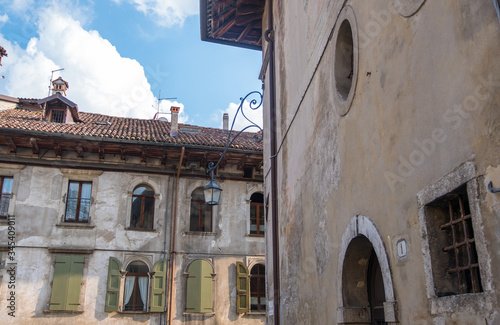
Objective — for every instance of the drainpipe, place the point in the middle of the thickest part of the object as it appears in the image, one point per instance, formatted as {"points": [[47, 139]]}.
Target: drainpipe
{"points": [[269, 37], [164, 254], [496, 3], [172, 245]]}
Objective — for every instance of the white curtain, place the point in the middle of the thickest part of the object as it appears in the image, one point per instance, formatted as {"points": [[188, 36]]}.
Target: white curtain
{"points": [[496, 3], [129, 287], [143, 289]]}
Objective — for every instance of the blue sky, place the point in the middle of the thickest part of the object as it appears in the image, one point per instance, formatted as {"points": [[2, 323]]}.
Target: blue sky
{"points": [[119, 54]]}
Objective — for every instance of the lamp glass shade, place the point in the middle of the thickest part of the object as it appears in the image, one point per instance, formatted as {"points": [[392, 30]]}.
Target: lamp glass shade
{"points": [[212, 193]]}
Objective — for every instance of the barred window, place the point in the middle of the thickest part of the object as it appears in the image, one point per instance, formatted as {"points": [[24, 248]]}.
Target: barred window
{"points": [[57, 116], [452, 244]]}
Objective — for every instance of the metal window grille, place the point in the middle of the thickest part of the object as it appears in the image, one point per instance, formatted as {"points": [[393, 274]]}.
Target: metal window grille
{"points": [[464, 264], [57, 116]]}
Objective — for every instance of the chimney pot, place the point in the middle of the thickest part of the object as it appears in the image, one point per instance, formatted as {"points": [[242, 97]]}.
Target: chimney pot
{"points": [[174, 122], [225, 123]]}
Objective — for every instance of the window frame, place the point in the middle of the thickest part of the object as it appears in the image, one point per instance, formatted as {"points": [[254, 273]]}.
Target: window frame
{"points": [[56, 117], [136, 288], [261, 284], [202, 217], [259, 219], [79, 201], [143, 203], [476, 302], [10, 195]]}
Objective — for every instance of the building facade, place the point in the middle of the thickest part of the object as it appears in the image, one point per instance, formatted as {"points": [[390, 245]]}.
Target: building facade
{"points": [[102, 220], [381, 157]]}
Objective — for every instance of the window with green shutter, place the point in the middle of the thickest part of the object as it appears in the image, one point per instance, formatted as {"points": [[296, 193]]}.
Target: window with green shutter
{"points": [[158, 286], [113, 286], [199, 287], [242, 289], [66, 284]]}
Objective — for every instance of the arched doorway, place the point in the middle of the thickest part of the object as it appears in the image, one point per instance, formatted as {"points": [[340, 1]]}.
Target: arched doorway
{"points": [[365, 292]]}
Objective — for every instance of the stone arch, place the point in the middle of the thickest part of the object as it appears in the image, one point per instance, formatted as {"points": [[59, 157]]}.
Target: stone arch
{"points": [[360, 238]]}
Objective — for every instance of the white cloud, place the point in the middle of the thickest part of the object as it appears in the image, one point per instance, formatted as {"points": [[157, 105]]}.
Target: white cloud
{"points": [[20, 5], [100, 79], [253, 115], [164, 110], [165, 13], [4, 18]]}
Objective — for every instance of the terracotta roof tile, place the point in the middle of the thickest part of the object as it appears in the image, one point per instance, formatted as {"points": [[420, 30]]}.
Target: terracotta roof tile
{"points": [[123, 128]]}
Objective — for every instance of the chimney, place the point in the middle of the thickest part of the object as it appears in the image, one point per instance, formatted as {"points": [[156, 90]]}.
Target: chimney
{"points": [[174, 122], [59, 86], [225, 123]]}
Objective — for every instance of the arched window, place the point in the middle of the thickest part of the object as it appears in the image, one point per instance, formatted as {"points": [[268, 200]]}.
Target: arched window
{"points": [[143, 204], [201, 214], [199, 287], [257, 288], [136, 287], [257, 226]]}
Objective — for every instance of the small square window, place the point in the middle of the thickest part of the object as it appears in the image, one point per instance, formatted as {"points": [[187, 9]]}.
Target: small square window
{"points": [[57, 116], [78, 201], [452, 244]]}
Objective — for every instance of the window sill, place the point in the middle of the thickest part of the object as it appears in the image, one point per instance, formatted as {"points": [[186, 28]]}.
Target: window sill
{"points": [[471, 302], [73, 312], [256, 313], [141, 229], [134, 312], [200, 233], [74, 225], [255, 236], [199, 314]]}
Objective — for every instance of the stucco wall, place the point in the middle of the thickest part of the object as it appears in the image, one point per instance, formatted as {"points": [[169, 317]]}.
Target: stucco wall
{"points": [[38, 206], [425, 103]]}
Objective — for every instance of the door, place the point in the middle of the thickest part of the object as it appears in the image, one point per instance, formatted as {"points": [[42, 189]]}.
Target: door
{"points": [[376, 293]]}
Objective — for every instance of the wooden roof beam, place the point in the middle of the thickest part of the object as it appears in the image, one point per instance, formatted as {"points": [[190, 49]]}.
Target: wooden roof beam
{"points": [[11, 144], [79, 150], [34, 146], [245, 32], [224, 29]]}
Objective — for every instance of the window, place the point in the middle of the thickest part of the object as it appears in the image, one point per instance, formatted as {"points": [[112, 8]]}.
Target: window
{"points": [[78, 201], [257, 288], [57, 116], [257, 226], [66, 284], [6, 187], [199, 287], [136, 287], [452, 245], [140, 293], [250, 288], [201, 213], [143, 203]]}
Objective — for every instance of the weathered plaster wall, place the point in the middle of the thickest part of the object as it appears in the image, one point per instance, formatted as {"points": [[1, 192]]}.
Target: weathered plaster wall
{"points": [[38, 204], [425, 102]]}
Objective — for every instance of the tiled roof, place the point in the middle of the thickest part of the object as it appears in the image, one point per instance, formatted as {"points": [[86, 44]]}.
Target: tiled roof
{"points": [[155, 131]]}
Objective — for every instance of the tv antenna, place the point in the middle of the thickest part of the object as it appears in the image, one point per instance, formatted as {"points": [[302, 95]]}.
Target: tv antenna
{"points": [[158, 104], [52, 76]]}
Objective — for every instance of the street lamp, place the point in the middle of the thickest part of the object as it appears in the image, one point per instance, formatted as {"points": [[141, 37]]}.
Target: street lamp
{"points": [[212, 191]]}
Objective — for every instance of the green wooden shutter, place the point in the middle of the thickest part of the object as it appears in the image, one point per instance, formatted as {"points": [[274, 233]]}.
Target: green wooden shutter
{"points": [[68, 272], [158, 286], [199, 287], [242, 289], [113, 285]]}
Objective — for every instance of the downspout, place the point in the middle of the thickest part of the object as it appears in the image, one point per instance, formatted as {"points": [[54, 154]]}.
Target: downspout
{"points": [[496, 3], [174, 226], [163, 316], [269, 36]]}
